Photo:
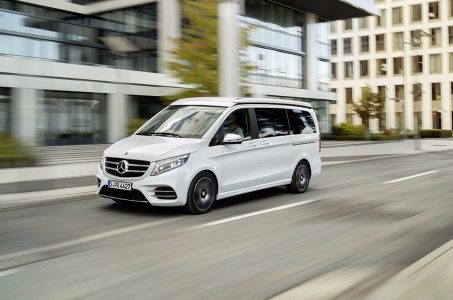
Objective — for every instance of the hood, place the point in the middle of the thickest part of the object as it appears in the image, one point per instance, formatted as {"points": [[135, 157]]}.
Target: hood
{"points": [[152, 148]]}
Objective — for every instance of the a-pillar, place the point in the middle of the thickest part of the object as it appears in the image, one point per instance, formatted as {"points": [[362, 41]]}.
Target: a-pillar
{"points": [[24, 115], [229, 47], [117, 112]]}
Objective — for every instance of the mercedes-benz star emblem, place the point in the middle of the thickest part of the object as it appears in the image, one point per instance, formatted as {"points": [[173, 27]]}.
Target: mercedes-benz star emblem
{"points": [[122, 167]]}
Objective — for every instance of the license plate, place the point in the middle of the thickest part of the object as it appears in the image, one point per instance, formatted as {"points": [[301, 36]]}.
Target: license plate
{"points": [[127, 186]]}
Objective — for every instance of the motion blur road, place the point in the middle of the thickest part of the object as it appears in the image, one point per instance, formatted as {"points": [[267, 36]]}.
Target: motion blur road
{"points": [[358, 224]]}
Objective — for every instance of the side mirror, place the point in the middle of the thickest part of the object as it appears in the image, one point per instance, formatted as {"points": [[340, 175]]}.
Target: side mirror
{"points": [[232, 139]]}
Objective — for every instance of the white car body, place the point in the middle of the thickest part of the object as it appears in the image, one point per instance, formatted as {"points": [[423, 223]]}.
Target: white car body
{"points": [[254, 164]]}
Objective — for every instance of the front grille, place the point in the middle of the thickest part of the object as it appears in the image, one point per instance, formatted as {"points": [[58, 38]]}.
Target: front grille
{"points": [[133, 195], [136, 168], [165, 192]]}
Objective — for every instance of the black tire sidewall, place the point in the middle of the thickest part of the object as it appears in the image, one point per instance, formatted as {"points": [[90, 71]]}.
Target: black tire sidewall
{"points": [[190, 204], [293, 185]]}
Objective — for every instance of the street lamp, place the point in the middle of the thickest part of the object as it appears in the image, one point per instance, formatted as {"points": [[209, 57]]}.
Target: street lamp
{"points": [[416, 41]]}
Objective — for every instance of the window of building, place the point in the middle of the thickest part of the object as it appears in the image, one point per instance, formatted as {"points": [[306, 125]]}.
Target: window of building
{"points": [[436, 36], [323, 67], [380, 42], [450, 8], [417, 64], [347, 24], [333, 47], [435, 91], [382, 91], [348, 69], [364, 68], [347, 46], [144, 107], [399, 92], [417, 91], [5, 110], [416, 40], [277, 43], [433, 10], [398, 41], [364, 44], [272, 122], [416, 13], [348, 95], [73, 118], [398, 66], [381, 67], [450, 35], [397, 15], [435, 63], [450, 62], [333, 71], [124, 38], [363, 23], [381, 20]]}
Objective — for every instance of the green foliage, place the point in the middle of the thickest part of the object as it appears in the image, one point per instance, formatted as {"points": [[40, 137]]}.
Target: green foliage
{"points": [[435, 133], [347, 129], [135, 124], [12, 153], [370, 106], [196, 53]]}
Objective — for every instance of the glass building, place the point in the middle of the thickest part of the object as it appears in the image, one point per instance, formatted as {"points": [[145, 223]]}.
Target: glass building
{"points": [[80, 71]]}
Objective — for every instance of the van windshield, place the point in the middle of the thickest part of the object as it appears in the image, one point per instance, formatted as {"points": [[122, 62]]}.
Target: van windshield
{"points": [[182, 121]]}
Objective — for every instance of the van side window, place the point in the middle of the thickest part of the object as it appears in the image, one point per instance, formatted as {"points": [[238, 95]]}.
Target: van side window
{"points": [[238, 122], [272, 122], [301, 121]]}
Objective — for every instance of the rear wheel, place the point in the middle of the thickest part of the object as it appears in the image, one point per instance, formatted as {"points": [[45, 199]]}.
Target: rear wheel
{"points": [[301, 178], [202, 194]]}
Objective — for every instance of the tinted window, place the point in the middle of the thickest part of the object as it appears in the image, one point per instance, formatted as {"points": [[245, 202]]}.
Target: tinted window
{"points": [[272, 122], [301, 121], [238, 122]]}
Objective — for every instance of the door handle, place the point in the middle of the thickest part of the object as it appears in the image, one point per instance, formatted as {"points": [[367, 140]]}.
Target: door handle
{"points": [[266, 143], [251, 146]]}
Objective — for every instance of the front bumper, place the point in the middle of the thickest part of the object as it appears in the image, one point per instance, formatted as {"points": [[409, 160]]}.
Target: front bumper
{"points": [[157, 190]]}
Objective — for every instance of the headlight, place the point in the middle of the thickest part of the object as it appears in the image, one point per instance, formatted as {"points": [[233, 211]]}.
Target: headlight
{"points": [[165, 165]]}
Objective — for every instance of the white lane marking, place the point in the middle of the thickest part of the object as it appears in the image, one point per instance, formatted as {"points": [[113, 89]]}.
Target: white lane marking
{"points": [[9, 272], [265, 211], [85, 239], [410, 177]]}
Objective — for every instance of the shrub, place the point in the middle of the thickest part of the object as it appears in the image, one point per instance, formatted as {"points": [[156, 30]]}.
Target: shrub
{"points": [[135, 124], [12, 154], [435, 133], [347, 129]]}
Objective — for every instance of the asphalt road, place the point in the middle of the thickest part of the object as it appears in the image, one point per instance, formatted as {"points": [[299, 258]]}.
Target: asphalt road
{"points": [[357, 225]]}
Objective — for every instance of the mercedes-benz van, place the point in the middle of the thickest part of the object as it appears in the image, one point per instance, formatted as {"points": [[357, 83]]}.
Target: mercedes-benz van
{"points": [[199, 150]]}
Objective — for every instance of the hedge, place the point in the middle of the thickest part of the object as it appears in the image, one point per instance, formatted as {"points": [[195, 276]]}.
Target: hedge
{"points": [[12, 154], [435, 133]]}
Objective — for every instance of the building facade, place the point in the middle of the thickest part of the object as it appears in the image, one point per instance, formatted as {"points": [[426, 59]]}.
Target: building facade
{"points": [[406, 55], [75, 72]]}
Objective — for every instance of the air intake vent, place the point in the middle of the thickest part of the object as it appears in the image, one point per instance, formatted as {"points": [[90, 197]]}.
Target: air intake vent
{"points": [[165, 193]]}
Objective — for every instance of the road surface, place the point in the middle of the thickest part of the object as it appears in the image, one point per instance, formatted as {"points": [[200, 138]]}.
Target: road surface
{"points": [[358, 224]]}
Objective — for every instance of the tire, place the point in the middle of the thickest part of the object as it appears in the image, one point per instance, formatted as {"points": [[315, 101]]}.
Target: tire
{"points": [[301, 178], [202, 194]]}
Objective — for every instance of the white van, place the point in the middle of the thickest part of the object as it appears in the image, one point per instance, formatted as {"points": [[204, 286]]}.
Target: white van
{"points": [[199, 150]]}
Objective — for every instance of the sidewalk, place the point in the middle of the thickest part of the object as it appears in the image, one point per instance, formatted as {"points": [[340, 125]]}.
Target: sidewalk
{"points": [[429, 278]]}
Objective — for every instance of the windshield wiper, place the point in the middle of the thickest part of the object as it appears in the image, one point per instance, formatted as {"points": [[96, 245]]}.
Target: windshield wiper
{"points": [[160, 133]]}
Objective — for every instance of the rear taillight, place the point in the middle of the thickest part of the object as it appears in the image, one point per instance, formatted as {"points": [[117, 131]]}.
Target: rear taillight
{"points": [[319, 143]]}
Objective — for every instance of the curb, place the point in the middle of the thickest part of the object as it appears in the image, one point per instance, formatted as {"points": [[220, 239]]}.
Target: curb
{"points": [[399, 286]]}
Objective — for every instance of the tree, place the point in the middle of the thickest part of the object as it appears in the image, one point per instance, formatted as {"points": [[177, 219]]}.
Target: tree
{"points": [[195, 55], [370, 106]]}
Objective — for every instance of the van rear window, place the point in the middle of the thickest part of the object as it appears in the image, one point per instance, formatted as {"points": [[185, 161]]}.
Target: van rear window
{"points": [[301, 121]]}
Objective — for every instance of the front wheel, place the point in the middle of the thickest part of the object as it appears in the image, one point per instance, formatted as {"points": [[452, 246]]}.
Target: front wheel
{"points": [[202, 194], [301, 178]]}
